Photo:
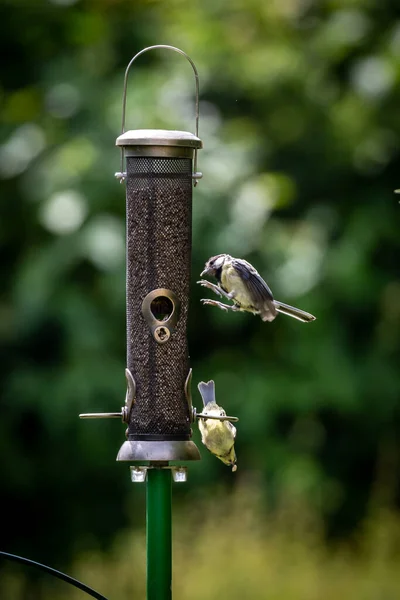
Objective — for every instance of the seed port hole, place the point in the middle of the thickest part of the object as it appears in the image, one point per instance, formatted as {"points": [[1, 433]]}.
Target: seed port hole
{"points": [[162, 308]]}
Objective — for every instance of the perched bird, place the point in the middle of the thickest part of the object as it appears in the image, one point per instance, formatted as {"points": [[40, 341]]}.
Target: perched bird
{"points": [[218, 436], [239, 281]]}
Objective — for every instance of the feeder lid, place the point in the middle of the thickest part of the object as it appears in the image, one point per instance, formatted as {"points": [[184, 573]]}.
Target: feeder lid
{"points": [[158, 137]]}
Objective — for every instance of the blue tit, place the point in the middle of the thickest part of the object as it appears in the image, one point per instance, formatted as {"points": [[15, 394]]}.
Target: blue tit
{"points": [[239, 281], [218, 436]]}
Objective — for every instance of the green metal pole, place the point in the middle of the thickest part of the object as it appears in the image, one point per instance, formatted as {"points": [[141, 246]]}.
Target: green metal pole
{"points": [[159, 539]]}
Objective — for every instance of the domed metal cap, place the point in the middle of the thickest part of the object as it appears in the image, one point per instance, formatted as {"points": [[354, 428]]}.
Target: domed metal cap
{"points": [[159, 137]]}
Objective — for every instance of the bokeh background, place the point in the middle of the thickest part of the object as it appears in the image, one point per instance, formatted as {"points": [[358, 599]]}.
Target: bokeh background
{"points": [[300, 122]]}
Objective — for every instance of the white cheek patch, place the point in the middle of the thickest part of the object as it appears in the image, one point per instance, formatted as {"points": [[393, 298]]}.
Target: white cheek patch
{"points": [[219, 262]]}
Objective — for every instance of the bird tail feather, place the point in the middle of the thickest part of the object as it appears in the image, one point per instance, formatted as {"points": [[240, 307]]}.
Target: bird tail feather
{"points": [[207, 391], [296, 313]]}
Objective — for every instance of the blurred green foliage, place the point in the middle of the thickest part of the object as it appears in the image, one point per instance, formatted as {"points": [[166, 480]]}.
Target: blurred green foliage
{"points": [[250, 557], [300, 125]]}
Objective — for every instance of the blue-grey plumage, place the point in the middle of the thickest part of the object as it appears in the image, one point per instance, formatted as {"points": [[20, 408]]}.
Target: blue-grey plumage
{"points": [[240, 282], [217, 436]]}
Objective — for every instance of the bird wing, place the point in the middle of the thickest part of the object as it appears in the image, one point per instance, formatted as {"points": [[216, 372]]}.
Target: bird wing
{"points": [[232, 428], [257, 288], [256, 285]]}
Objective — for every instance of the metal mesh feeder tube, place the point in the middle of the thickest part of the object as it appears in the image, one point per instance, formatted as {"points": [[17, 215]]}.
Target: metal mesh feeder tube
{"points": [[159, 183]]}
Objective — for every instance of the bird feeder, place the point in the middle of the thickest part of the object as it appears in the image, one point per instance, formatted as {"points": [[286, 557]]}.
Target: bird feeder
{"points": [[159, 181], [159, 168]]}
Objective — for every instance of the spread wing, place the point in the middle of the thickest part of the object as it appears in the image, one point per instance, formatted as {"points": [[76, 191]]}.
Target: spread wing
{"points": [[257, 288]]}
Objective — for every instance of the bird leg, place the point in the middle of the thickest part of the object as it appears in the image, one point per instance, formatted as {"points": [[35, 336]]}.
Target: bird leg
{"points": [[220, 305], [216, 289], [221, 292]]}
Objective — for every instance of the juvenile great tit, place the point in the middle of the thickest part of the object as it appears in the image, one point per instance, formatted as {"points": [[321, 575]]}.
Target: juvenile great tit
{"points": [[217, 436], [239, 281]]}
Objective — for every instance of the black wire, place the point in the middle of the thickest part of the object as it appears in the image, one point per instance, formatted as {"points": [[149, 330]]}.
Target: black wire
{"points": [[55, 573]]}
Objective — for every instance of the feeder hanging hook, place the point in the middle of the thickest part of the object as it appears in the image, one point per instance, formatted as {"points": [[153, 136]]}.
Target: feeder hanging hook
{"points": [[121, 175]]}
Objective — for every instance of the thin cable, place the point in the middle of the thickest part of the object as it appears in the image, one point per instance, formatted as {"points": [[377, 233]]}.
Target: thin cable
{"points": [[55, 573]]}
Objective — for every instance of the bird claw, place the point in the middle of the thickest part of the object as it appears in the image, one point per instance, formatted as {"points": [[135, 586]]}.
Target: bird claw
{"points": [[211, 286], [220, 305]]}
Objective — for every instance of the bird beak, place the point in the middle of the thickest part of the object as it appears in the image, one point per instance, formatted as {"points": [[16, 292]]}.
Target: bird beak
{"points": [[204, 272]]}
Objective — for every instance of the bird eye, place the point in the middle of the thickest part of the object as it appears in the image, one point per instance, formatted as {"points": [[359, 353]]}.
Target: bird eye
{"points": [[222, 413]]}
